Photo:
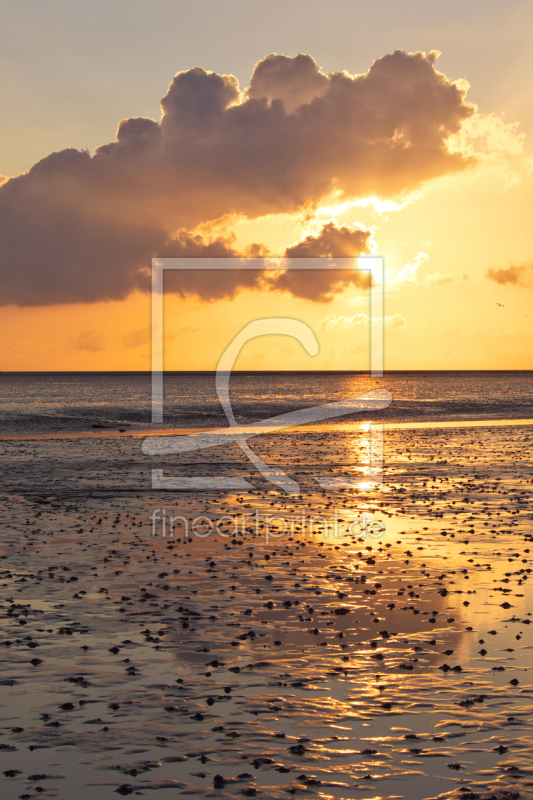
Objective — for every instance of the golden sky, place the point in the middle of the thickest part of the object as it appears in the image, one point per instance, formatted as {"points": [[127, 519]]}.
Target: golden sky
{"points": [[404, 138]]}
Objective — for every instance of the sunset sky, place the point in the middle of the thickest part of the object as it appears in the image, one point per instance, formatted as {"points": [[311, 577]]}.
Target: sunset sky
{"points": [[398, 128]]}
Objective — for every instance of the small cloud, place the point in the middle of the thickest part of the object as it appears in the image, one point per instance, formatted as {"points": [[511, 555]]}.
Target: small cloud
{"points": [[515, 275], [343, 323], [395, 322], [92, 341], [437, 278], [408, 274], [137, 338], [346, 323]]}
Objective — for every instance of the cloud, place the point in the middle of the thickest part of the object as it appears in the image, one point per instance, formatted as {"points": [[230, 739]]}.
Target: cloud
{"points": [[92, 341], [408, 274], [488, 136], [332, 241], [515, 275], [395, 321], [342, 323], [294, 81], [207, 284], [83, 228], [136, 338], [437, 278]]}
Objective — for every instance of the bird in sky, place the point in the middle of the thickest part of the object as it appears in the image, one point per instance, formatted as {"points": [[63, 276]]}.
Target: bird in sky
{"points": [[501, 305]]}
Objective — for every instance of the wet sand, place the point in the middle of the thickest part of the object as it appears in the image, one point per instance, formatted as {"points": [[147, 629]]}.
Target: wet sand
{"points": [[327, 666], [106, 432]]}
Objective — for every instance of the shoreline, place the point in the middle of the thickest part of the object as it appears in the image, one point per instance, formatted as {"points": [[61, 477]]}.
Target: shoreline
{"points": [[115, 433]]}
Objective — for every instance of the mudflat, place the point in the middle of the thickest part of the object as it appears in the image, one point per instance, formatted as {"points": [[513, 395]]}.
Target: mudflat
{"points": [[366, 641]]}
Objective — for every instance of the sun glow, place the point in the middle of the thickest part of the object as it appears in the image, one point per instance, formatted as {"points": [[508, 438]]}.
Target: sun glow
{"points": [[378, 205]]}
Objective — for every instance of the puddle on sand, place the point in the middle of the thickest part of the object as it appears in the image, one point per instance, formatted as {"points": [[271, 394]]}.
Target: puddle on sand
{"points": [[328, 667]]}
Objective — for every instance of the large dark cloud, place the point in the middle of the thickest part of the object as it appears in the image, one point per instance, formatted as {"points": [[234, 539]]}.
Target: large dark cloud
{"points": [[84, 228]]}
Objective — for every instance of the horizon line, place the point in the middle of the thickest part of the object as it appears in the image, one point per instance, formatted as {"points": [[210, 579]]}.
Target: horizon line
{"points": [[262, 372]]}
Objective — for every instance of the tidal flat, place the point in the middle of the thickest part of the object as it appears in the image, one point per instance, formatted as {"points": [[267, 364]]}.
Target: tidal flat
{"points": [[320, 663]]}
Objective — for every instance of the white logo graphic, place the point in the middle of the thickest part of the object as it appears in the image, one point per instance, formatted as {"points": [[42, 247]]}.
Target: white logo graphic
{"points": [[240, 434]]}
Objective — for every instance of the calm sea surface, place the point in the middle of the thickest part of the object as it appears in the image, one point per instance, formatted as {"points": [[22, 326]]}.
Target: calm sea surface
{"points": [[42, 402]]}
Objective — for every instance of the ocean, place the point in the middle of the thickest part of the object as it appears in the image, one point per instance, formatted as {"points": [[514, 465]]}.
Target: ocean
{"points": [[41, 402]]}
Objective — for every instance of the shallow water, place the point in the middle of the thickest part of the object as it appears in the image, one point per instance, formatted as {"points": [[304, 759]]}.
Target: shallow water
{"points": [[307, 664], [61, 402]]}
